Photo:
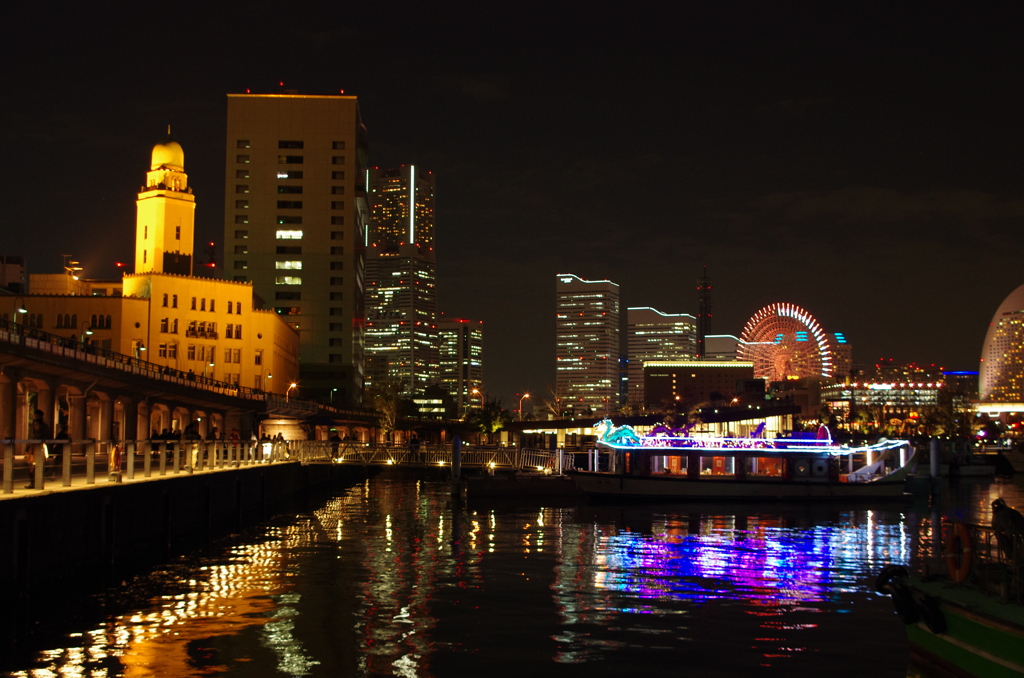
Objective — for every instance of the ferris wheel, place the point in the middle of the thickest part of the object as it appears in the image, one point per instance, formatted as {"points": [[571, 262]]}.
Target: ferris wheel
{"points": [[785, 341]]}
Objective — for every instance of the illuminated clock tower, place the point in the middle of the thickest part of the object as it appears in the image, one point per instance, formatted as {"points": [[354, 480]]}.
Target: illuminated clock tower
{"points": [[166, 215]]}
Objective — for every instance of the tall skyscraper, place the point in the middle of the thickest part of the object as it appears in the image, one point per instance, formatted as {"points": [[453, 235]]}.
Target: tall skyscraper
{"points": [[653, 335], [295, 225], [461, 363], [587, 344], [401, 280]]}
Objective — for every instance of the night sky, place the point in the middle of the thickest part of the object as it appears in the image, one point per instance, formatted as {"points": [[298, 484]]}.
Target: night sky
{"points": [[862, 160]]}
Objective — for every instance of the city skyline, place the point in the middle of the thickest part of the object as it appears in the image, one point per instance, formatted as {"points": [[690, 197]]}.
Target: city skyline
{"points": [[859, 162]]}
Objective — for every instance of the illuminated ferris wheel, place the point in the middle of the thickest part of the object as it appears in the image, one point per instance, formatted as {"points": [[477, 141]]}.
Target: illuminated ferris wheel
{"points": [[785, 341]]}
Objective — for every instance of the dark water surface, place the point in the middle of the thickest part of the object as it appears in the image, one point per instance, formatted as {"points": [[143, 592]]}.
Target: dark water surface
{"points": [[398, 578]]}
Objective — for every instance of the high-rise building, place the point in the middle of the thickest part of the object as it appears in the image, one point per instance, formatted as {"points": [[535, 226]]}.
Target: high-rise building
{"points": [[654, 335], [401, 280], [461, 367], [295, 225], [587, 344], [1001, 377]]}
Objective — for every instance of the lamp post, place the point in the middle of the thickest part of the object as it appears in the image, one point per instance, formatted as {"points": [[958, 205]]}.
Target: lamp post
{"points": [[19, 308], [266, 382], [480, 393], [525, 396], [287, 393]]}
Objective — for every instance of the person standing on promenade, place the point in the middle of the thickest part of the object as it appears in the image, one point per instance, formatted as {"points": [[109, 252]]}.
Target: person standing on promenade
{"points": [[35, 452]]}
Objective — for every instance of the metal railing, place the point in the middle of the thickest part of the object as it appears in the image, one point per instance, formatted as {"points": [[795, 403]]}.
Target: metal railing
{"points": [[66, 464], [86, 462], [430, 455], [997, 560]]}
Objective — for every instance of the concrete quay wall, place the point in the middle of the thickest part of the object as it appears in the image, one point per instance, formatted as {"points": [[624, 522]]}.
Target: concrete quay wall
{"points": [[66, 543]]}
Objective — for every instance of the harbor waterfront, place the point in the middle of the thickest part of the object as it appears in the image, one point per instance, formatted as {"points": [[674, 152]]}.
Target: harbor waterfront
{"points": [[396, 576]]}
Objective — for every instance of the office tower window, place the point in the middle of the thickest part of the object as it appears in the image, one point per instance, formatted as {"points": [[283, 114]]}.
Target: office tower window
{"points": [[337, 281], [241, 235], [288, 296], [242, 174], [338, 160], [288, 280], [337, 251], [337, 296], [282, 249], [289, 235], [337, 190], [289, 174], [289, 159], [336, 327], [337, 204], [242, 204], [240, 278], [289, 144], [239, 265], [241, 218], [335, 358], [336, 342], [241, 249], [289, 189], [337, 265], [338, 145], [285, 219], [289, 204], [337, 235], [241, 188], [243, 159], [242, 143], [288, 265], [338, 176], [337, 311]]}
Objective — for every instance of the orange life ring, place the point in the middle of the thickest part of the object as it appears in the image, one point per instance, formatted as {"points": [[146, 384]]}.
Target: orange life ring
{"points": [[959, 552]]}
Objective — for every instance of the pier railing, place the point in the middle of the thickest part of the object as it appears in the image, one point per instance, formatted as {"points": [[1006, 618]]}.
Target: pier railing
{"points": [[87, 462], [996, 559]]}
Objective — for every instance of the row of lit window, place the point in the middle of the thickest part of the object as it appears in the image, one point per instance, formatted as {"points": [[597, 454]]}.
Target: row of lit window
{"points": [[199, 304], [285, 204], [292, 234]]}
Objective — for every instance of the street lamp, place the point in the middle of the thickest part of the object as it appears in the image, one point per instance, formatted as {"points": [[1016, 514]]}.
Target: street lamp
{"points": [[288, 392], [266, 383], [525, 395], [480, 393], [19, 308]]}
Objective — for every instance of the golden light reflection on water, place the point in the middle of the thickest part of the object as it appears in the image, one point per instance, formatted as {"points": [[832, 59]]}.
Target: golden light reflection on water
{"points": [[390, 577]]}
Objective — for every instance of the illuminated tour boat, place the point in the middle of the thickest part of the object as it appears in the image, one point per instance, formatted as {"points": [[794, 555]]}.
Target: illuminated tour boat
{"points": [[672, 464]]}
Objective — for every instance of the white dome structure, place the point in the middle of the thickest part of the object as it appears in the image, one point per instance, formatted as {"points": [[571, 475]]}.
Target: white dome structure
{"points": [[1001, 375]]}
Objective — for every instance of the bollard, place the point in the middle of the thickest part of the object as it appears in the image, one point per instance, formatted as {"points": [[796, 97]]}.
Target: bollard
{"points": [[8, 448], [147, 461], [65, 465], [456, 457], [90, 462], [177, 457], [39, 470], [130, 445]]}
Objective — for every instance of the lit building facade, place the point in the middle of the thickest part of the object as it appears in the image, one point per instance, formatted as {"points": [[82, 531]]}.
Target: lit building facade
{"points": [[208, 327], [720, 347], [587, 344], [461, 362], [401, 318], [1001, 374], [295, 225], [655, 336], [401, 280]]}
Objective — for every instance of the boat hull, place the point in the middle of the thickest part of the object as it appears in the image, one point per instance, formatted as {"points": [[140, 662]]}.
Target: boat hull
{"points": [[681, 488], [982, 637]]}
